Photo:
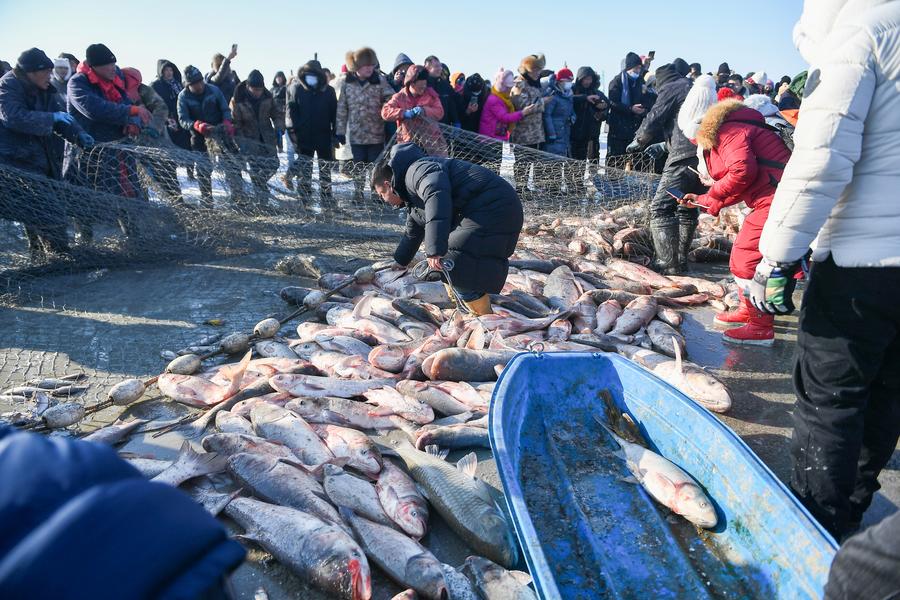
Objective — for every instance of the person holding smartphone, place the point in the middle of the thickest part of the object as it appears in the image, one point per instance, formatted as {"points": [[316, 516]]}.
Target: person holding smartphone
{"points": [[745, 158]]}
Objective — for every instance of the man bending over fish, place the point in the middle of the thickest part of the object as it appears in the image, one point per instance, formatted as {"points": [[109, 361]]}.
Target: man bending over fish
{"points": [[462, 212]]}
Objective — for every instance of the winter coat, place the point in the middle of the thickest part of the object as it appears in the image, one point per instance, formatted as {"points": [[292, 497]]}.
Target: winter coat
{"points": [[359, 107], [160, 117], [311, 113], [225, 79], [622, 122], [530, 130], [104, 120], [209, 106], [256, 122], [474, 87], [662, 119], [496, 117], [746, 160], [65, 502], [559, 114], [459, 210], [279, 92], [448, 96], [27, 139], [169, 93], [588, 117], [424, 129]]}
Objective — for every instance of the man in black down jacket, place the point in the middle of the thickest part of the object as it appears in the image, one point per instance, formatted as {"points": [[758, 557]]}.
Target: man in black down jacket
{"points": [[628, 103], [591, 108], [311, 123], [672, 225], [461, 211], [30, 117]]}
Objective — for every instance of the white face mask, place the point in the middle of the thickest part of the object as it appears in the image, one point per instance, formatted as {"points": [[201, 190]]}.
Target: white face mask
{"points": [[311, 80], [567, 85]]}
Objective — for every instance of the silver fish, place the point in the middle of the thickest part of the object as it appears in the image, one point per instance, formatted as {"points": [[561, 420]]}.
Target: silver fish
{"points": [[281, 425], [344, 489], [114, 433], [493, 581], [190, 464]]}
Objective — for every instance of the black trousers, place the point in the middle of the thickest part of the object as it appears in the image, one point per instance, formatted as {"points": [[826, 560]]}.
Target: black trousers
{"points": [[363, 153], [866, 566], [664, 209], [847, 380], [303, 168], [586, 149]]}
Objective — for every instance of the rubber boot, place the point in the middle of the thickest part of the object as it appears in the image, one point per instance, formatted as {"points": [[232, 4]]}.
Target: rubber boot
{"points": [[480, 306], [759, 330], [685, 238], [739, 316], [665, 244]]}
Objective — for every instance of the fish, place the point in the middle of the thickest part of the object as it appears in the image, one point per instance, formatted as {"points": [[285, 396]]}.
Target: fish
{"points": [[431, 292], [340, 411], [493, 581], [415, 329], [357, 447], [190, 464], [308, 331], [404, 560], [638, 313], [561, 290], [459, 364], [559, 330], [242, 408], [516, 306], [530, 302], [199, 392], [273, 349], [669, 316], [421, 311], [607, 314], [357, 367], [286, 485], [514, 325], [465, 502], [666, 482], [229, 444], [346, 490], [317, 552], [691, 300], [664, 337], [372, 303], [391, 402], [343, 344], [400, 498], [703, 286], [52, 383], [392, 357], [541, 266], [452, 437], [584, 315], [432, 394], [282, 425], [458, 585], [229, 422], [295, 295], [636, 272], [675, 291], [114, 433], [620, 296], [310, 386]]}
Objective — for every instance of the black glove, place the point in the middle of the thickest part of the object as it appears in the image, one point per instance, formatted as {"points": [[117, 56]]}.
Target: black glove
{"points": [[655, 150], [85, 141], [634, 146]]}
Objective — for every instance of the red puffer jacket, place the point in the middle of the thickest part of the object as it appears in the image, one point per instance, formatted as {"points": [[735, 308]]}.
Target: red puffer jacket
{"points": [[746, 160]]}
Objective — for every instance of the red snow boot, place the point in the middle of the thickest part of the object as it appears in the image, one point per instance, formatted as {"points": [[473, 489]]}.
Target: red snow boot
{"points": [[738, 316], [759, 330]]}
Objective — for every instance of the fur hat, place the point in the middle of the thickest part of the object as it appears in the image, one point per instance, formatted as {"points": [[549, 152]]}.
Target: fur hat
{"points": [[364, 57], [762, 103], [708, 133], [532, 62], [699, 99]]}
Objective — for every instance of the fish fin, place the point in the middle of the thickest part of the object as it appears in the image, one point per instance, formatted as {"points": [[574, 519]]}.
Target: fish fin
{"points": [[436, 452], [424, 493], [629, 479], [249, 536], [522, 577], [234, 385], [679, 366], [620, 452], [198, 464], [468, 464], [665, 481]]}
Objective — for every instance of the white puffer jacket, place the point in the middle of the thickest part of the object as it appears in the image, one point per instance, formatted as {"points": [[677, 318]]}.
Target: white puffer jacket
{"points": [[842, 184]]}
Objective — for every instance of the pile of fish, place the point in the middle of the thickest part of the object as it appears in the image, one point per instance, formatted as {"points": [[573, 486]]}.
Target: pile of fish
{"points": [[43, 402]]}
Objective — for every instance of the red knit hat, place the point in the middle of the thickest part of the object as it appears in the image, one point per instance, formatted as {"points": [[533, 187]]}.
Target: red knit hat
{"points": [[726, 92], [565, 73]]}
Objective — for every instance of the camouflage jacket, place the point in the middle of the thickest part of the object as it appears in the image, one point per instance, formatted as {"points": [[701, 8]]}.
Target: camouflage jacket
{"points": [[359, 108], [530, 130]]}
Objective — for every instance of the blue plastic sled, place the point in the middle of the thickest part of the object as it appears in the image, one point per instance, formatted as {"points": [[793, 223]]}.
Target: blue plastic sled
{"points": [[588, 531]]}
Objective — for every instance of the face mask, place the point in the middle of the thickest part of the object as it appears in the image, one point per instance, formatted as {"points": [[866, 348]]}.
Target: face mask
{"points": [[633, 75], [567, 86], [311, 80]]}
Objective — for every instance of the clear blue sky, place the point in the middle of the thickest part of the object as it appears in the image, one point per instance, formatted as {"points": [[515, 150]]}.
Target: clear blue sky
{"points": [[468, 36]]}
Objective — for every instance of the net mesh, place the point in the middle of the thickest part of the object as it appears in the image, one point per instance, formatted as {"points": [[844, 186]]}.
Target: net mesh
{"points": [[143, 246]]}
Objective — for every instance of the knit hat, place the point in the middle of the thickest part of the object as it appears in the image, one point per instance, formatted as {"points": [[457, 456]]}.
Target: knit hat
{"points": [[255, 79], [98, 55], [532, 62], [33, 60], [501, 78], [724, 69], [762, 103], [699, 98], [726, 93], [564, 73], [192, 75], [632, 60], [415, 73], [696, 68], [681, 66], [758, 78]]}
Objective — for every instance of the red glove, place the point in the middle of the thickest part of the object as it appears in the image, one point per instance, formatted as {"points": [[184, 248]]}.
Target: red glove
{"points": [[202, 128], [143, 113], [229, 127], [132, 130]]}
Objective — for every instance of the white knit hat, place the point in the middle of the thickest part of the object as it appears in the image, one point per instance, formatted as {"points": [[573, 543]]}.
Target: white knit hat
{"points": [[701, 96], [762, 103]]}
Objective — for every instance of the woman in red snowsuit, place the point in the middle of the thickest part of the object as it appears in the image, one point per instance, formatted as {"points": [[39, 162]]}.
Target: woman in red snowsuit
{"points": [[746, 159]]}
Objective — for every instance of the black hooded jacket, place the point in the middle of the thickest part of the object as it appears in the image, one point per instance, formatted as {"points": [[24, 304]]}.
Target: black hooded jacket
{"points": [[311, 112], [474, 87], [588, 116], [622, 121], [165, 89], [661, 121], [459, 210], [448, 98]]}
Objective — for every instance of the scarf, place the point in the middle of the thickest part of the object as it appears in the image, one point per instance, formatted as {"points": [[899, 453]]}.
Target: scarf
{"points": [[506, 101], [626, 89], [111, 90], [176, 87]]}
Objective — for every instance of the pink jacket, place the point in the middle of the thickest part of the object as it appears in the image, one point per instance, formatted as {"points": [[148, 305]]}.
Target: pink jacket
{"points": [[424, 129], [495, 119]]}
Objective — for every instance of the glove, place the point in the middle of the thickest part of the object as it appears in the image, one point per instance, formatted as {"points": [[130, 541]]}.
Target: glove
{"points": [[85, 141], [142, 113], [409, 114], [655, 150], [341, 139], [772, 287], [634, 146], [202, 128], [63, 117], [417, 111], [229, 127]]}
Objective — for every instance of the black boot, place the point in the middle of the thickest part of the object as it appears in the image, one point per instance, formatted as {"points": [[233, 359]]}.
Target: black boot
{"points": [[686, 231], [665, 245]]}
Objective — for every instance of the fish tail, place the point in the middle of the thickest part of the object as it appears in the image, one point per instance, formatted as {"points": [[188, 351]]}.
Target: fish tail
{"points": [[197, 464], [238, 376], [679, 366], [620, 453]]}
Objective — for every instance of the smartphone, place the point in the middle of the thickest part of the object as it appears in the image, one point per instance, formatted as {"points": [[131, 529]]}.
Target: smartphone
{"points": [[675, 193], [234, 47], [694, 171], [652, 54]]}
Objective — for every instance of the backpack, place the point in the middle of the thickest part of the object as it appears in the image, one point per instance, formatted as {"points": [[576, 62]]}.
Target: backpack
{"points": [[785, 132]]}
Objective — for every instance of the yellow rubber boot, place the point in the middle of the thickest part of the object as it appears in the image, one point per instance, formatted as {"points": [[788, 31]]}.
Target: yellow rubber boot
{"points": [[480, 306]]}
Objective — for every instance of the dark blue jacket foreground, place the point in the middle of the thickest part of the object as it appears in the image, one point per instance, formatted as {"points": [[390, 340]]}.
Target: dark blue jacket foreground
{"points": [[79, 522], [209, 106]]}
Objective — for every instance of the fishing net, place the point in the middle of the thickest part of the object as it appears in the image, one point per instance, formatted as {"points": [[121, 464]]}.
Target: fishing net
{"points": [[144, 246]]}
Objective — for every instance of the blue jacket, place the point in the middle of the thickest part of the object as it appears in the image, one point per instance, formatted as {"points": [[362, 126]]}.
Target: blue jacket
{"points": [[209, 106], [69, 506], [27, 139], [559, 114], [103, 119]]}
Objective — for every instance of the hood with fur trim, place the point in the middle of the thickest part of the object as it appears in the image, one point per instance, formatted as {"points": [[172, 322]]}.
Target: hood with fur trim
{"points": [[718, 115]]}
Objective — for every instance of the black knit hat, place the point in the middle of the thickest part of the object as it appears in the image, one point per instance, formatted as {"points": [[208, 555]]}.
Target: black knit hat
{"points": [[255, 79], [98, 55], [681, 66], [696, 68], [724, 69], [192, 75], [632, 60], [33, 60]]}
